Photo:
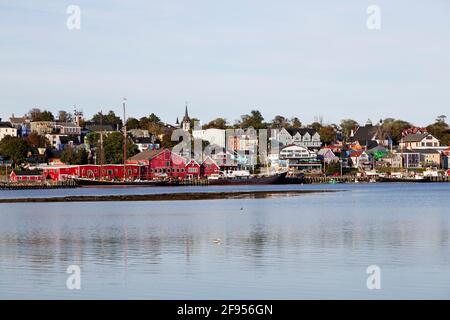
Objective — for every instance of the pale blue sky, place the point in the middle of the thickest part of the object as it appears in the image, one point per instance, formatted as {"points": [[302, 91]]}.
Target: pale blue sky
{"points": [[295, 58]]}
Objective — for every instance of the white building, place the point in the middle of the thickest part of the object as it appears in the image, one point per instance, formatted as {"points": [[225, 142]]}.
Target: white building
{"points": [[213, 136], [7, 129], [303, 137], [420, 141]]}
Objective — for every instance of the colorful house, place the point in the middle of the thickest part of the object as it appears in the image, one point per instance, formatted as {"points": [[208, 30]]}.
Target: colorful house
{"points": [[209, 167], [26, 176], [161, 164], [192, 169]]}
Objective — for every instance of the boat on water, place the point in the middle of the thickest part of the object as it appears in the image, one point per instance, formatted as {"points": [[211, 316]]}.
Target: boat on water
{"points": [[404, 179], [113, 183], [276, 178], [215, 180]]}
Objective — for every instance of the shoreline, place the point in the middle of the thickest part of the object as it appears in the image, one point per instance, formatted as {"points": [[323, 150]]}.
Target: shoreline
{"points": [[190, 196]]}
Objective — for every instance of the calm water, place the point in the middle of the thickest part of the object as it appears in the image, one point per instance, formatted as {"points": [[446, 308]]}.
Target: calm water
{"points": [[308, 246]]}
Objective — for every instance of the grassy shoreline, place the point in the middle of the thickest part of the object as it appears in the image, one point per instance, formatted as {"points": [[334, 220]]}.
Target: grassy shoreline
{"points": [[185, 196]]}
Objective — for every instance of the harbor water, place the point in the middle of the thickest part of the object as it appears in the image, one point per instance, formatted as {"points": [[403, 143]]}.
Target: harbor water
{"points": [[309, 246]]}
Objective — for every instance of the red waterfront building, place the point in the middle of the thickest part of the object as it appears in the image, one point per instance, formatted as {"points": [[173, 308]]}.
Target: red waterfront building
{"points": [[106, 172], [25, 176], [161, 164], [192, 170], [209, 167]]}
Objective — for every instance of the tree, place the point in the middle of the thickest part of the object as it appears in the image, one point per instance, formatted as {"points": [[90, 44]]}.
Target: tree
{"points": [[347, 125], [296, 123], [64, 116], [109, 118], [72, 156], [440, 130], [113, 148], [279, 122], [316, 126], [218, 123], [93, 138], [34, 140], [132, 123], [254, 120], [327, 134], [393, 128], [154, 118], [47, 116], [35, 114], [14, 148]]}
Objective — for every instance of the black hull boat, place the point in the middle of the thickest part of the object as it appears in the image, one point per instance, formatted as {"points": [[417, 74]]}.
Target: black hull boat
{"points": [[106, 183], [395, 179], [252, 180]]}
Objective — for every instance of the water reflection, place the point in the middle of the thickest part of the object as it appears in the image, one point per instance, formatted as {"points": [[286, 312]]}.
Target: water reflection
{"points": [[312, 246]]}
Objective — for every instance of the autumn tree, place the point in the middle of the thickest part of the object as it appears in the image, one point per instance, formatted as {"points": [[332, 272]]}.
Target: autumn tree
{"points": [[327, 134], [296, 123], [34, 140]]}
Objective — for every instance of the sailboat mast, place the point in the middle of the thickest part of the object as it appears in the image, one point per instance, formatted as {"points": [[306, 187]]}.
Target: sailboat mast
{"points": [[124, 140], [101, 145]]}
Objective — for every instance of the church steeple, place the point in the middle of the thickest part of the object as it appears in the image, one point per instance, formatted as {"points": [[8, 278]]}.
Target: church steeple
{"points": [[186, 115], [186, 124]]}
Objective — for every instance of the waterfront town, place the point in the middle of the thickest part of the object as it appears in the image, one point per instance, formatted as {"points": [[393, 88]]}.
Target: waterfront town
{"points": [[42, 148]]}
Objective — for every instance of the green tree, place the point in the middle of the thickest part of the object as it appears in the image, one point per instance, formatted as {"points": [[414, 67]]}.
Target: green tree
{"points": [[280, 122], [74, 157], [254, 120], [218, 123], [347, 125], [132, 123], [64, 116], [393, 128], [14, 149], [109, 118], [47, 116], [113, 148], [316, 126], [440, 130], [154, 118]]}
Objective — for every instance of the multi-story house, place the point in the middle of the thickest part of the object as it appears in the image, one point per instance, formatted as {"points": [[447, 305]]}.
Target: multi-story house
{"points": [[419, 141], [7, 129], [303, 137], [298, 159]]}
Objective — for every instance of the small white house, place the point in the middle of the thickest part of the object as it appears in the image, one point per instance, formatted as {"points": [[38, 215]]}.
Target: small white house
{"points": [[7, 129]]}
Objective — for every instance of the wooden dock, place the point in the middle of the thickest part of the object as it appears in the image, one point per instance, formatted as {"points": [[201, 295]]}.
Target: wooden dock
{"points": [[70, 184]]}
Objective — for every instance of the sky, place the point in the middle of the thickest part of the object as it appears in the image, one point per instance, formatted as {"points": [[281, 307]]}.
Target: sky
{"points": [[307, 59]]}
